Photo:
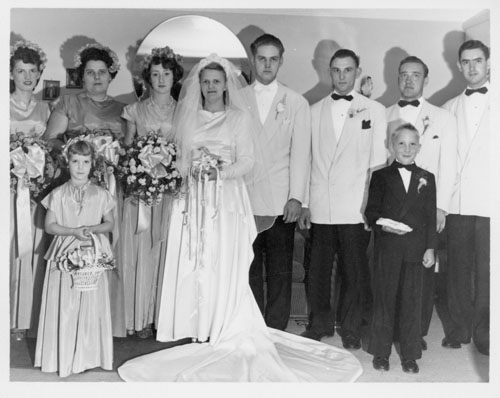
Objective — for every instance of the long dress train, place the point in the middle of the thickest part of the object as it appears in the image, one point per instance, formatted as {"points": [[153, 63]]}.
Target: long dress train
{"points": [[206, 294]]}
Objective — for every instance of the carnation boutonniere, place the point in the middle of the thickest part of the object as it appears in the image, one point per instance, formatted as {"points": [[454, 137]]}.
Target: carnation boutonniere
{"points": [[280, 106], [422, 181], [353, 112], [427, 122]]}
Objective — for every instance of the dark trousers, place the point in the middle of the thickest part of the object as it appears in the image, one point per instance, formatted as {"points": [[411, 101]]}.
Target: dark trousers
{"points": [[397, 290], [468, 279], [349, 242], [273, 249]]}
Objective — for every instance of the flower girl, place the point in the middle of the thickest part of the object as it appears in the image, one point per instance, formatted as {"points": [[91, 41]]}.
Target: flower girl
{"points": [[74, 332]]}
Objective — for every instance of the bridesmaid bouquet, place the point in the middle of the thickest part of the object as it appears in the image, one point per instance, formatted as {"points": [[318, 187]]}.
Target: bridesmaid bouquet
{"points": [[31, 165], [147, 169]]}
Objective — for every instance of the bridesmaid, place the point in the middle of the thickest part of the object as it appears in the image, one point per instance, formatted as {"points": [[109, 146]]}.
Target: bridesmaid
{"points": [[94, 109], [29, 116], [144, 250]]}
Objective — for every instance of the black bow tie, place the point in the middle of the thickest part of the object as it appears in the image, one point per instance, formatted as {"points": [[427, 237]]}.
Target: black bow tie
{"points": [[403, 103], [482, 90], [409, 167], [336, 97]]}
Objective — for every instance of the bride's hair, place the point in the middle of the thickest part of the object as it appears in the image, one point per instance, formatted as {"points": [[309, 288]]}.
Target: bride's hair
{"points": [[218, 67]]}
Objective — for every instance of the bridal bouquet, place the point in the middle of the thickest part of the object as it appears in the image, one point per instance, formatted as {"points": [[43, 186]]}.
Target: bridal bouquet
{"points": [[31, 165], [147, 169]]}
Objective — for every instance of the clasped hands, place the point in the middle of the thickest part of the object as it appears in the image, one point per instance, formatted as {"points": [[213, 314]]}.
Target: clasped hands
{"points": [[211, 173], [83, 233]]}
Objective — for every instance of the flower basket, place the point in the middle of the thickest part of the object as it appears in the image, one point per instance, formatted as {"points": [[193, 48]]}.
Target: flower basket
{"points": [[86, 264]]}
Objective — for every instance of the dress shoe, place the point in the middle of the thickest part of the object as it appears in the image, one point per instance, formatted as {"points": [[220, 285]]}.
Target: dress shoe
{"points": [[314, 335], [409, 366], [351, 342], [450, 343], [423, 343], [381, 363]]}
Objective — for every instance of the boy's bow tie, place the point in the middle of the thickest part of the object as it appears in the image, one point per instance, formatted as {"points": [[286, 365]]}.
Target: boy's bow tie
{"points": [[409, 167], [482, 90], [403, 103], [336, 97]]}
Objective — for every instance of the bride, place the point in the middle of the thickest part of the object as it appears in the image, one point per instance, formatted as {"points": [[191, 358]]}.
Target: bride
{"points": [[206, 294]]}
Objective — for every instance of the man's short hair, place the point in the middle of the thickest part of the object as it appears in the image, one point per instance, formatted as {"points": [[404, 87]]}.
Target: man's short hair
{"points": [[415, 60], [267, 40], [471, 45], [345, 53]]}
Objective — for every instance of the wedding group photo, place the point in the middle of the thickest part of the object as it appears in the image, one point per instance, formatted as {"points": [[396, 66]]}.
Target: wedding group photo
{"points": [[252, 195]]}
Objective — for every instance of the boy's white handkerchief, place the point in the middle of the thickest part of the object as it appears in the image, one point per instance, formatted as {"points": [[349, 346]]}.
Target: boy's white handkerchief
{"points": [[393, 224]]}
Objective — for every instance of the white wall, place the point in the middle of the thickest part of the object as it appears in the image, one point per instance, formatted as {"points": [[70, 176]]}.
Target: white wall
{"points": [[309, 43]]}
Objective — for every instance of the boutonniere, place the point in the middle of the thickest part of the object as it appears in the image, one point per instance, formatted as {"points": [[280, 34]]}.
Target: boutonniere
{"points": [[280, 106], [422, 181], [353, 112], [427, 122]]}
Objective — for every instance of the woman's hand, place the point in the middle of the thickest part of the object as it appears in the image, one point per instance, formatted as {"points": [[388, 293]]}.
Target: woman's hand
{"points": [[211, 173], [82, 233]]}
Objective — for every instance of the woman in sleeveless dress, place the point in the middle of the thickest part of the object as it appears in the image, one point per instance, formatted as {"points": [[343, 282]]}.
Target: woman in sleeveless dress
{"points": [[28, 116], [144, 247]]}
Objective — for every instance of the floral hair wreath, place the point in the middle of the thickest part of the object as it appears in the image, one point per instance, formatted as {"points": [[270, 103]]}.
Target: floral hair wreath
{"points": [[165, 52], [72, 141], [115, 67], [31, 46]]}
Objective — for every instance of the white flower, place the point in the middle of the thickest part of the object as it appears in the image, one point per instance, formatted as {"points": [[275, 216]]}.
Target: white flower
{"points": [[427, 122], [422, 182], [142, 181], [280, 106], [131, 179], [132, 162], [133, 169]]}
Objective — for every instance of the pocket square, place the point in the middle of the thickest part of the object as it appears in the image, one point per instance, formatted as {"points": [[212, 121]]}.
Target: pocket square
{"points": [[435, 137], [366, 124]]}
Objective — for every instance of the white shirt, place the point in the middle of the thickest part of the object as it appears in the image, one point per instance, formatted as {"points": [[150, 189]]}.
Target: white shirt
{"points": [[264, 95], [474, 108], [406, 176], [410, 113], [339, 110]]}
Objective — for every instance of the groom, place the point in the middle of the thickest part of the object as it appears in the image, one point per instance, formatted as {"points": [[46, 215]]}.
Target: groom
{"points": [[283, 125]]}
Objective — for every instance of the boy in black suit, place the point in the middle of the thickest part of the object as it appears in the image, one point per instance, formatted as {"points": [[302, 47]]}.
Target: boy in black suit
{"points": [[401, 209]]}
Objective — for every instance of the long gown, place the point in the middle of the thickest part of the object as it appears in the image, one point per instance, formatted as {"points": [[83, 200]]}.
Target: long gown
{"points": [[206, 294], [74, 332], [143, 253], [26, 272], [84, 113]]}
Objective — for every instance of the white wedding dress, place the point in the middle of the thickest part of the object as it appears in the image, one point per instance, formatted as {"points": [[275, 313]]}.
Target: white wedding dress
{"points": [[206, 293]]}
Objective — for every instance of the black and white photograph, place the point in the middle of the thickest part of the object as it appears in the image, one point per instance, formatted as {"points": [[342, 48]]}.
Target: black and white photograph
{"points": [[301, 199], [73, 79]]}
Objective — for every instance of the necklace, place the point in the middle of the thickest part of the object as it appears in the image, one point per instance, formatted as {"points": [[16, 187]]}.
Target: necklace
{"points": [[163, 106]]}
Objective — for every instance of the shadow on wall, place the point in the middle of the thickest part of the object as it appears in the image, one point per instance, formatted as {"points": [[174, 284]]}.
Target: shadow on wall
{"points": [[133, 67], [391, 71], [451, 43], [321, 63], [246, 36]]}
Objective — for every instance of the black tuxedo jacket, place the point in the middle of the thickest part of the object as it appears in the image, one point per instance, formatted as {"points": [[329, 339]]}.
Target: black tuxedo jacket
{"points": [[387, 198]]}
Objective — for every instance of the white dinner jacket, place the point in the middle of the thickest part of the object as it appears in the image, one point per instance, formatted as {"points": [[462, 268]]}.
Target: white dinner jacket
{"points": [[286, 144], [340, 171], [438, 138], [471, 194]]}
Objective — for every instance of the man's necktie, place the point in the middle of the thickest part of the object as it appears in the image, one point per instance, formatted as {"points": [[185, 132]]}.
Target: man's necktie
{"points": [[403, 103], [409, 167], [337, 97], [482, 90]]}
